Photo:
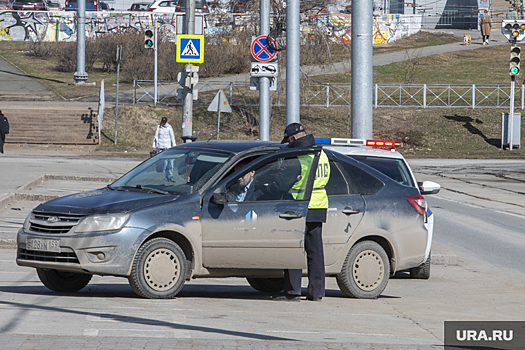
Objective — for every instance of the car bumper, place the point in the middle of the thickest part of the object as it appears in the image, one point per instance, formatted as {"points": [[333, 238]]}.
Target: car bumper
{"points": [[94, 253]]}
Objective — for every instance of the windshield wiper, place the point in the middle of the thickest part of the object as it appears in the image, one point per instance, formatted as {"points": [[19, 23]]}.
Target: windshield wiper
{"points": [[149, 189], [111, 187]]}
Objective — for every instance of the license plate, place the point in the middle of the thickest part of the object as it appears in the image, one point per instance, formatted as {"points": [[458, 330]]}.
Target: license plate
{"points": [[46, 245]]}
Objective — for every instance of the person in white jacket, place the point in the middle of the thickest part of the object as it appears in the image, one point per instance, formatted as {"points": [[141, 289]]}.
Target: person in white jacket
{"points": [[164, 139]]}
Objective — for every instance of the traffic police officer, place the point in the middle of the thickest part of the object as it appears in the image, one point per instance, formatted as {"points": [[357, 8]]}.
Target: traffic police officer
{"points": [[296, 136]]}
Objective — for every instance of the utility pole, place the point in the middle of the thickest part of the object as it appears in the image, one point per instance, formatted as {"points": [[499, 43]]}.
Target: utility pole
{"points": [[187, 114], [80, 75], [264, 82], [293, 62], [362, 83]]}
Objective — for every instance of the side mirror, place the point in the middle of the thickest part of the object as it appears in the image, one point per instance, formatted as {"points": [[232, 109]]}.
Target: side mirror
{"points": [[429, 187], [219, 196]]}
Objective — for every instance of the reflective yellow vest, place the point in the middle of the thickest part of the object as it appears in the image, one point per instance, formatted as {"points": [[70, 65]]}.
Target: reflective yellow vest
{"points": [[319, 199]]}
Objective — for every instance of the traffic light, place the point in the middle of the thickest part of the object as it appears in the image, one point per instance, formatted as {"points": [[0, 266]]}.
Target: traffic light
{"points": [[514, 68], [514, 30], [149, 43]]}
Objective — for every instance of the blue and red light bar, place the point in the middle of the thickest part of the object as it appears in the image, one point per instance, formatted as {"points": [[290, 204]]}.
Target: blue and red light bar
{"points": [[356, 142]]}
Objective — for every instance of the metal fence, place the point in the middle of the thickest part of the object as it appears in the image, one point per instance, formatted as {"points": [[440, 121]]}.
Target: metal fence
{"points": [[339, 95]]}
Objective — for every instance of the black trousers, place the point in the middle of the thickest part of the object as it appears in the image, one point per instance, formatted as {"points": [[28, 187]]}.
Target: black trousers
{"points": [[313, 244]]}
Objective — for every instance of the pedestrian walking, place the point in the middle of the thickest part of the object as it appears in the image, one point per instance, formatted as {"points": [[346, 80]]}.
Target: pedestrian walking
{"points": [[486, 27], [512, 14], [296, 137], [4, 130], [164, 139]]}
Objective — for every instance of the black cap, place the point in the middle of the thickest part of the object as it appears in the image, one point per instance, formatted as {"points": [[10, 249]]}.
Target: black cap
{"points": [[164, 120], [292, 129]]}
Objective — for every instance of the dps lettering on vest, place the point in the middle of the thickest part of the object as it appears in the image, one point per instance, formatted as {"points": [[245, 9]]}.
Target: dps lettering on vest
{"points": [[319, 199]]}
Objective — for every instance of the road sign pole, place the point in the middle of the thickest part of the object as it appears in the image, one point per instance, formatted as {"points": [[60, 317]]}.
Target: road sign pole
{"points": [[155, 75], [119, 57], [219, 117], [264, 82], [511, 113], [293, 60], [187, 114]]}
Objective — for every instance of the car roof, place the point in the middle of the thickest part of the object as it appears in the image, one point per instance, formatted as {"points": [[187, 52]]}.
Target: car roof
{"points": [[233, 146], [365, 151]]}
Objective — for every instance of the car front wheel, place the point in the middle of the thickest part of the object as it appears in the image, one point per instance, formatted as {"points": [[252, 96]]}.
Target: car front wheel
{"points": [[268, 285], [365, 272], [61, 281], [159, 269]]}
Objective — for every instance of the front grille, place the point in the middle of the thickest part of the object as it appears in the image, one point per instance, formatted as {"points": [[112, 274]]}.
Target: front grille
{"points": [[64, 257], [52, 223]]}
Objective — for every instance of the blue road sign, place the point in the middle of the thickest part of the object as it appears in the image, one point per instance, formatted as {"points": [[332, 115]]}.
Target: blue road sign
{"points": [[260, 50], [190, 48]]}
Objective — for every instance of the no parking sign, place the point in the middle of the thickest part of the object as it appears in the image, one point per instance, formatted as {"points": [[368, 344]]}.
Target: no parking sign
{"points": [[261, 52]]}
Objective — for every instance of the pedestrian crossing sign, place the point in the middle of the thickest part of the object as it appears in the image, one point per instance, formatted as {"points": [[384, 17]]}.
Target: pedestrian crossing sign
{"points": [[190, 48]]}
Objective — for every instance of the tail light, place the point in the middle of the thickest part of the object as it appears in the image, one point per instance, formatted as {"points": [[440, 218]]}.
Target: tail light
{"points": [[205, 7], [95, 5], [418, 202], [178, 7], [151, 9]]}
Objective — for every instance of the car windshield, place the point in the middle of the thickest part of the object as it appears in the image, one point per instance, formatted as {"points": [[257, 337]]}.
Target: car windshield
{"points": [[175, 171], [394, 168]]}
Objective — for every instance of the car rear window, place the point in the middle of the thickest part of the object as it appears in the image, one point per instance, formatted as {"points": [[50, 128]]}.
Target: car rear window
{"points": [[396, 169], [339, 184], [365, 182]]}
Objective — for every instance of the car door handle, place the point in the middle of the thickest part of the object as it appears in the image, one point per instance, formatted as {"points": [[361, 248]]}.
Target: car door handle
{"points": [[290, 215], [350, 211]]}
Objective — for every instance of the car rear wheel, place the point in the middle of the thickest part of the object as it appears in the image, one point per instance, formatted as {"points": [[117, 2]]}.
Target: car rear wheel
{"points": [[269, 285], [159, 269], [365, 272], [421, 272], [61, 281]]}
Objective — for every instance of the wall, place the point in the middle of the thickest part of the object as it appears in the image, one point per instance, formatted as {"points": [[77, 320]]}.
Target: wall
{"points": [[61, 26]]}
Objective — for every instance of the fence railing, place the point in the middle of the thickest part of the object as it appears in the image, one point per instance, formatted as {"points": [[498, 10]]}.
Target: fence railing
{"points": [[339, 95]]}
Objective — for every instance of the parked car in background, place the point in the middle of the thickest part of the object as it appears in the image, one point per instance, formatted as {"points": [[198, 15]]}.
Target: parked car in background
{"points": [[163, 6], [29, 5], [201, 6], [392, 164], [5, 5], [103, 6], [140, 6], [159, 234], [54, 6], [72, 5]]}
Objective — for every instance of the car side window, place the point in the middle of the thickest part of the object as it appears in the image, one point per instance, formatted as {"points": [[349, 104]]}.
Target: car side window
{"points": [[366, 183], [339, 184], [279, 179]]}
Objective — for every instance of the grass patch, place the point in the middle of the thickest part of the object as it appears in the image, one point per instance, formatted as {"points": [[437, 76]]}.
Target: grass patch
{"points": [[425, 133]]}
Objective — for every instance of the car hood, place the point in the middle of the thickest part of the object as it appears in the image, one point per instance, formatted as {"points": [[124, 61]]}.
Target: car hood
{"points": [[104, 201]]}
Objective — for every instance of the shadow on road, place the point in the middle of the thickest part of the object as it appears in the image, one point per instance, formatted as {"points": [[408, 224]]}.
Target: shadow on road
{"points": [[33, 77]]}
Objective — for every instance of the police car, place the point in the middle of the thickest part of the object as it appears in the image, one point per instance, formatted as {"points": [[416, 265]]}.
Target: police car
{"points": [[159, 234], [393, 164]]}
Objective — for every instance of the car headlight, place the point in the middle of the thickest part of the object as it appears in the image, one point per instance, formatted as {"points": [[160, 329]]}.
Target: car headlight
{"points": [[96, 223]]}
